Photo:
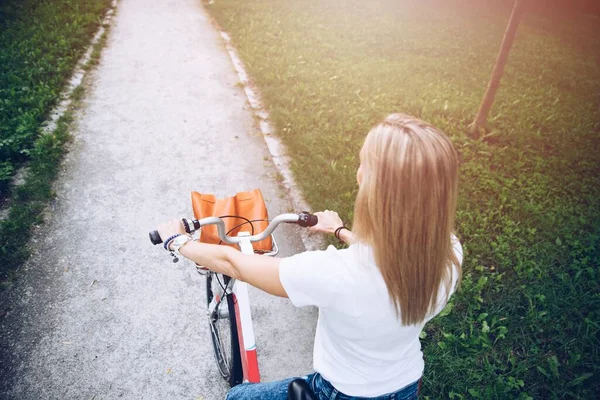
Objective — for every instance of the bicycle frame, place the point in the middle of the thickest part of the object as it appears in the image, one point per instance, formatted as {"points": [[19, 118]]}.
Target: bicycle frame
{"points": [[243, 317], [244, 320]]}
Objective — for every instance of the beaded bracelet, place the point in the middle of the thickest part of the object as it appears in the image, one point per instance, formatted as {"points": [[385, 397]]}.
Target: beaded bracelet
{"points": [[167, 242], [337, 232]]}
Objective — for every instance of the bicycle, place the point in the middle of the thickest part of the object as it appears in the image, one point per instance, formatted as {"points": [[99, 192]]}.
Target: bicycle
{"points": [[228, 305]]}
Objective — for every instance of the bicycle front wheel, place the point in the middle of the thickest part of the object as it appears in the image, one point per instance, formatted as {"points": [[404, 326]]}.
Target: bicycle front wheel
{"points": [[223, 329]]}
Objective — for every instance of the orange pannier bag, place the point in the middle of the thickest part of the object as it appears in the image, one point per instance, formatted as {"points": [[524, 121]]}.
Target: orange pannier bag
{"points": [[250, 205]]}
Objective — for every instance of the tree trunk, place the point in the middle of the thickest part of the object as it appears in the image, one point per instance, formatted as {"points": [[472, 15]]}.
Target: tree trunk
{"points": [[490, 93]]}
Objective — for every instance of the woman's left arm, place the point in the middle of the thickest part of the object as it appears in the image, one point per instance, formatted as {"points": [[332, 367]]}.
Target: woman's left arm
{"points": [[259, 271]]}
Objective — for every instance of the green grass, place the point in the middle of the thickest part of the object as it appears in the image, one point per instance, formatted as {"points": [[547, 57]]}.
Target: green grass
{"points": [[29, 200], [40, 43], [526, 322]]}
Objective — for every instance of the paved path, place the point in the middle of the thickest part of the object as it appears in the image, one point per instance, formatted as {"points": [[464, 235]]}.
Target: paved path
{"points": [[99, 313]]}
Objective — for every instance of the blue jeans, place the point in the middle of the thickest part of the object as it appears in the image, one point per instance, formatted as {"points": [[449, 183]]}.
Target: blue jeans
{"points": [[321, 387]]}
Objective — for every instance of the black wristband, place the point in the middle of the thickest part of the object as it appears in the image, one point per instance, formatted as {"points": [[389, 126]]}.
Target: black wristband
{"points": [[337, 232]]}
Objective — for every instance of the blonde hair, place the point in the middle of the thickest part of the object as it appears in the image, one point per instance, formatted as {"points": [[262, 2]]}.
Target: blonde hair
{"points": [[405, 210]]}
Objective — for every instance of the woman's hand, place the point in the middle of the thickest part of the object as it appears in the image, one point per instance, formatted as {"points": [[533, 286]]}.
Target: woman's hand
{"points": [[329, 221], [170, 228]]}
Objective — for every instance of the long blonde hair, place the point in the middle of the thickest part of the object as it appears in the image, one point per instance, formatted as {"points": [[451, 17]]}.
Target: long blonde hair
{"points": [[405, 210]]}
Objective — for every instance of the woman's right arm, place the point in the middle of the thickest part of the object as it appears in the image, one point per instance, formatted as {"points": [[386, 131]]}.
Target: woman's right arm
{"points": [[329, 222]]}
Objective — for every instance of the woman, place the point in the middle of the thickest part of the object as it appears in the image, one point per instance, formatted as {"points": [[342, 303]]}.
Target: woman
{"points": [[375, 296]]}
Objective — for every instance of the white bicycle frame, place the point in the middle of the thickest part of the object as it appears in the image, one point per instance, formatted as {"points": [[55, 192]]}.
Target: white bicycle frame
{"points": [[241, 302]]}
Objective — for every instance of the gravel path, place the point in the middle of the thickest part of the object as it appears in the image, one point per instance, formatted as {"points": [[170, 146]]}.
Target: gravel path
{"points": [[99, 313]]}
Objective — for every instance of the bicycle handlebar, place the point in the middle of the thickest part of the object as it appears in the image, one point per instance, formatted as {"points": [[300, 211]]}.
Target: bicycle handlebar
{"points": [[304, 219]]}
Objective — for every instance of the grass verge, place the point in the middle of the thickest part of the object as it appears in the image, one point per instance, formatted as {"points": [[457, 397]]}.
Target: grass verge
{"points": [[525, 324], [30, 198], [40, 44], [43, 155]]}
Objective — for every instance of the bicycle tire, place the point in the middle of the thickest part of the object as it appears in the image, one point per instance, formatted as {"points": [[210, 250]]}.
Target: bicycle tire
{"points": [[224, 333]]}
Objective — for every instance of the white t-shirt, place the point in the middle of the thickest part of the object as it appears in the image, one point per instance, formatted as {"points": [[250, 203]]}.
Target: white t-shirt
{"points": [[360, 345]]}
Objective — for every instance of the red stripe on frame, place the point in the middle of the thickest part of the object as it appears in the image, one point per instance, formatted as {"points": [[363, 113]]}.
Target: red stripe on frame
{"points": [[252, 363]]}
